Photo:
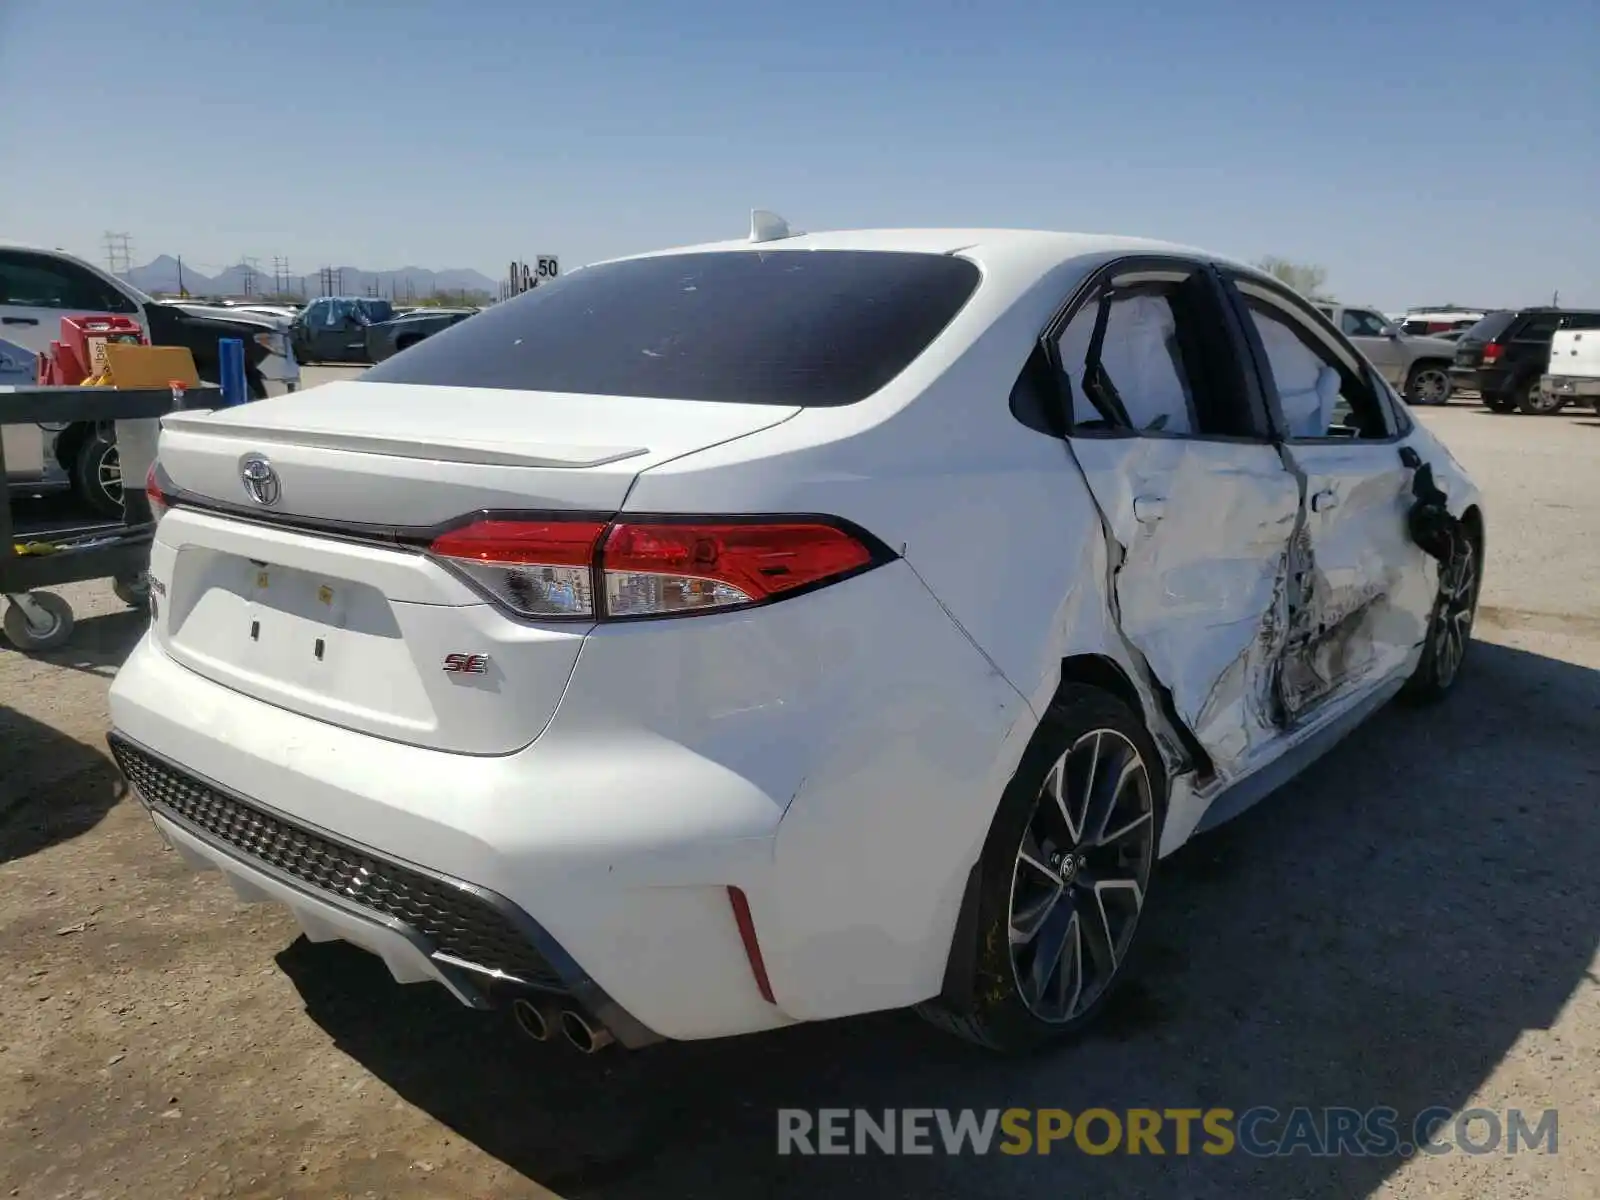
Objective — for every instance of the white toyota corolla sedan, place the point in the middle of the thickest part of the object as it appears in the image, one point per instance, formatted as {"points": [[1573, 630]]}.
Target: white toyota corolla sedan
{"points": [[788, 628]]}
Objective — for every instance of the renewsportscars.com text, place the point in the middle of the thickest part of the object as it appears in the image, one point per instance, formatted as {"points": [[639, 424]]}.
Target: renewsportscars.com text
{"points": [[1262, 1132]]}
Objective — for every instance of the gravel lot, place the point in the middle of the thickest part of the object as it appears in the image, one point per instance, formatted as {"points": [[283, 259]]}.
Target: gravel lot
{"points": [[1414, 923]]}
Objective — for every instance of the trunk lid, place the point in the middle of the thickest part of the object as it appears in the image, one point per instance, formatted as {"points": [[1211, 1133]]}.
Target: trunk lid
{"points": [[355, 625], [389, 454]]}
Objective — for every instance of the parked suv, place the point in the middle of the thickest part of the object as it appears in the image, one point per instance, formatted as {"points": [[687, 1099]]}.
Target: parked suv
{"points": [[1418, 366], [1504, 356]]}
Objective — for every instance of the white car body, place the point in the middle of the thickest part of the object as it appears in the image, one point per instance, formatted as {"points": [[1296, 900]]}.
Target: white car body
{"points": [[836, 757], [1574, 370]]}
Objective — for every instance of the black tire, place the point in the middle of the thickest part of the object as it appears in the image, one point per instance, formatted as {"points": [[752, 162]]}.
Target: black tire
{"points": [[1449, 636], [1533, 400], [134, 591], [1428, 383], [94, 467], [1085, 880], [30, 640], [1499, 402]]}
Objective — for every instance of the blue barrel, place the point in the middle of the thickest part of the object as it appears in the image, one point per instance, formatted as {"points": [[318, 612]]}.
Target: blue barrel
{"points": [[230, 366]]}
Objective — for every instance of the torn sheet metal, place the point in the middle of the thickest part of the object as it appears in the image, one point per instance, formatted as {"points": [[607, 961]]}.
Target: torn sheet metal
{"points": [[1361, 589], [1204, 529]]}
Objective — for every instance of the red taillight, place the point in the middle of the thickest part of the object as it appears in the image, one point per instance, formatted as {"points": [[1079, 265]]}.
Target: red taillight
{"points": [[159, 501], [1491, 352], [534, 568], [548, 568], [651, 568]]}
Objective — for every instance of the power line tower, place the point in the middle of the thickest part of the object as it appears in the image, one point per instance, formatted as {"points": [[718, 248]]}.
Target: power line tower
{"points": [[280, 275], [252, 270], [119, 253]]}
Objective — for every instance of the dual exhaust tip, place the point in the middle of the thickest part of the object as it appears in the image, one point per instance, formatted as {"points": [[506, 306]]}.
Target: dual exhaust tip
{"points": [[542, 1021]]}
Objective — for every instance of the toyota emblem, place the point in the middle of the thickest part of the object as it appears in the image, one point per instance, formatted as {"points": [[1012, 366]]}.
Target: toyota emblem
{"points": [[260, 480]]}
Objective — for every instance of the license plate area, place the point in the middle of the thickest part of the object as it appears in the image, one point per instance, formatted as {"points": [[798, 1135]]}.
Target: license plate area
{"points": [[286, 633], [292, 624]]}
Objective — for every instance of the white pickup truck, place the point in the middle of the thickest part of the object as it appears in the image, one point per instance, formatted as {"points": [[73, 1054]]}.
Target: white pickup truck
{"points": [[37, 288], [1574, 370]]}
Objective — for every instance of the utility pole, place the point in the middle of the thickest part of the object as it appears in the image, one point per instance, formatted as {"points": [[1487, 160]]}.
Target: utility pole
{"points": [[119, 253], [252, 268], [183, 292]]}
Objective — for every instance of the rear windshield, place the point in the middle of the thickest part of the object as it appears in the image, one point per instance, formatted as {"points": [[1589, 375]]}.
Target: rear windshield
{"points": [[1491, 327], [813, 328]]}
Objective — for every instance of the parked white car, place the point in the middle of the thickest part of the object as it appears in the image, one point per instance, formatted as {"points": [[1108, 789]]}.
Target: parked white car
{"points": [[788, 628], [1574, 371]]}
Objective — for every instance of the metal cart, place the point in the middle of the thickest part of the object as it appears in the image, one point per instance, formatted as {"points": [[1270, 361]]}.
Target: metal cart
{"points": [[35, 619]]}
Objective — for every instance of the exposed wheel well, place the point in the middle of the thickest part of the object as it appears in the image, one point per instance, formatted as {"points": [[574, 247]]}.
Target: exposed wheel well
{"points": [[1442, 364], [1472, 518], [1097, 670]]}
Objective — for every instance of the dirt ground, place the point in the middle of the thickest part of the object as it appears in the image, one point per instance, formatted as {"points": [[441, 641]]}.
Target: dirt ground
{"points": [[1413, 923]]}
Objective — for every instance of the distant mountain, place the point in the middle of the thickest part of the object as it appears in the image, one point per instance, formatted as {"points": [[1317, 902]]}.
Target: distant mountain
{"points": [[404, 283], [160, 274]]}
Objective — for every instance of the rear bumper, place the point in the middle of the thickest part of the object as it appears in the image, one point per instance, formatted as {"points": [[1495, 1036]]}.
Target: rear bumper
{"points": [[836, 758], [1576, 386], [340, 892], [1483, 380]]}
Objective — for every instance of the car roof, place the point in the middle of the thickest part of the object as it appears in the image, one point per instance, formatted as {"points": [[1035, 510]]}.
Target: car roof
{"points": [[1017, 256]]}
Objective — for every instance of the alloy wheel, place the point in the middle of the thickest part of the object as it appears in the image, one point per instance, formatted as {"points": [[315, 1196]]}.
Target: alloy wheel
{"points": [[1431, 386], [1458, 586], [1081, 875], [1540, 400], [108, 475]]}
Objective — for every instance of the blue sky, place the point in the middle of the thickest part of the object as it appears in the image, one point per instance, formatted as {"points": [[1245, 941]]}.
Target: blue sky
{"points": [[1421, 150]]}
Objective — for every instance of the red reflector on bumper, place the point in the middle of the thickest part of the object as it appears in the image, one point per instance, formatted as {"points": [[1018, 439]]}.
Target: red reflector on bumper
{"points": [[752, 948]]}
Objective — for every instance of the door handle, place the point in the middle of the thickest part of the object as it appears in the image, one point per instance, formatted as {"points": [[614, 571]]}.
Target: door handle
{"points": [[1148, 509], [19, 320], [1324, 500]]}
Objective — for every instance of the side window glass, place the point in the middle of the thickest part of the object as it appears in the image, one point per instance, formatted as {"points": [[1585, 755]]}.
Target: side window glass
{"points": [[1139, 357], [1318, 395], [1355, 323], [34, 281], [1536, 329]]}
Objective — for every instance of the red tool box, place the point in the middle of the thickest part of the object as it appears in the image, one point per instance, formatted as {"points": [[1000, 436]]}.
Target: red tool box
{"points": [[79, 354]]}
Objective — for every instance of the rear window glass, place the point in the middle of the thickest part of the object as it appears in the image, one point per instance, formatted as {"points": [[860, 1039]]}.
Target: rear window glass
{"points": [[1491, 327], [814, 328]]}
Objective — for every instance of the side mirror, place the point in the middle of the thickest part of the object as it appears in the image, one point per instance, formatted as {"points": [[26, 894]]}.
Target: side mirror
{"points": [[1395, 332]]}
